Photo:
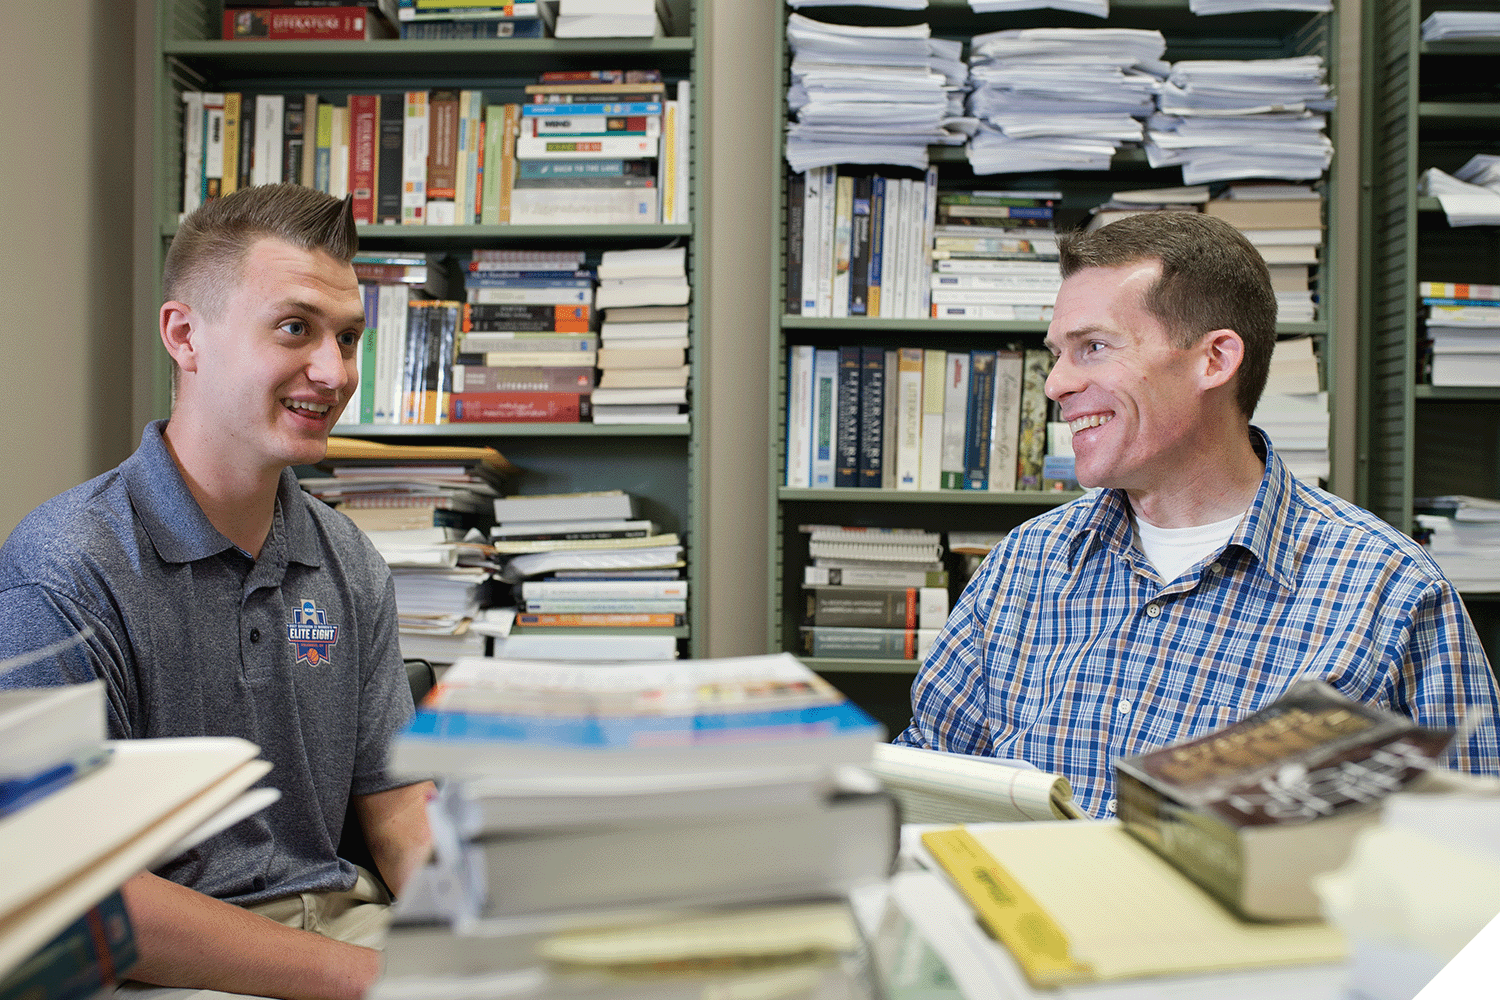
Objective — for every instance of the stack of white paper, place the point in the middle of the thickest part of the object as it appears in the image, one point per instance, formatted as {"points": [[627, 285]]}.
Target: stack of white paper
{"points": [[1240, 6], [1472, 198], [1467, 551], [1227, 118], [1098, 8], [871, 95], [1457, 25], [1060, 98], [892, 4], [1293, 413], [1465, 343]]}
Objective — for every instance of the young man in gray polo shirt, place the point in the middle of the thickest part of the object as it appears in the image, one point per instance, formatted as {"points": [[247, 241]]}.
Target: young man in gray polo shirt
{"points": [[225, 601]]}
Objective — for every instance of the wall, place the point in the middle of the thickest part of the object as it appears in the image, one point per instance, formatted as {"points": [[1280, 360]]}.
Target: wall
{"points": [[65, 260]]}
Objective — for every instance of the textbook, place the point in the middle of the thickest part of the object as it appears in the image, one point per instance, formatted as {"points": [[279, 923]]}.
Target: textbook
{"points": [[49, 736], [936, 787], [491, 717], [1251, 812]]}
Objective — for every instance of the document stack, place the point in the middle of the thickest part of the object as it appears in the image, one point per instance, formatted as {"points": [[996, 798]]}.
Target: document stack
{"points": [[1285, 223], [1097, 8], [1060, 98], [1463, 536], [995, 255], [871, 94], [425, 508], [1293, 411], [1241, 6], [612, 18], [1123, 204], [1462, 322], [1228, 118], [873, 593], [663, 830], [643, 365], [1460, 25]]}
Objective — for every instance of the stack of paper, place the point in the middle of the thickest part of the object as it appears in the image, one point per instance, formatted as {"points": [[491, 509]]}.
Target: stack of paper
{"points": [[1293, 412], [1471, 197], [643, 371], [1060, 98], [1460, 25], [1228, 118], [1463, 332], [1464, 540], [659, 830], [871, 94], [1098, 8], [892, 4], [1240, 6]]}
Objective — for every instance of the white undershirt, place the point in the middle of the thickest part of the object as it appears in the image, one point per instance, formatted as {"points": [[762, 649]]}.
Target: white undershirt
{"points": [[1172, 550]]}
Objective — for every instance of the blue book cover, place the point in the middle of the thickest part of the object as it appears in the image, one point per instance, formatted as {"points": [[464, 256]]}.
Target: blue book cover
{"points": [[871, 415], [977, 423], [846, 453]]}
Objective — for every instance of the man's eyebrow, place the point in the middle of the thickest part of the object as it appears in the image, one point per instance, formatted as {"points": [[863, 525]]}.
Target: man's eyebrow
{"points": [[298, 305], [1077, 333]]}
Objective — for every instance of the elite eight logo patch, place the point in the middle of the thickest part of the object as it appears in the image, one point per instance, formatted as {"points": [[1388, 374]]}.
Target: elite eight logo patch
{"points": [[311, 635]]}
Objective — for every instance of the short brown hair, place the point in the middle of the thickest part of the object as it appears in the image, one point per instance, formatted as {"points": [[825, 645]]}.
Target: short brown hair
{"points": [[1212, 278], [211, 245]]}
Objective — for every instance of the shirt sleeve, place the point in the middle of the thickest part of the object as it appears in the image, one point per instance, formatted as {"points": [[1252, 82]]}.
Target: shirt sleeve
{"points": [[950, 692], [385, 699], [1444, 680], [36, 617]]}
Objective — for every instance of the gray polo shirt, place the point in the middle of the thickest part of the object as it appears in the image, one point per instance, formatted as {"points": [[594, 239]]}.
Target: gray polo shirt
{"points": [[296, 651]]}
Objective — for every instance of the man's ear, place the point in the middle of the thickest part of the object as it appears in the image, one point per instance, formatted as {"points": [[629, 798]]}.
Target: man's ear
{"points": [[178, 324], [1223, 351]]}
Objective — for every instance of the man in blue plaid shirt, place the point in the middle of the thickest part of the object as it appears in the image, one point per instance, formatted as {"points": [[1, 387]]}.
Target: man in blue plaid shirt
{"points": [[1203, 578]]}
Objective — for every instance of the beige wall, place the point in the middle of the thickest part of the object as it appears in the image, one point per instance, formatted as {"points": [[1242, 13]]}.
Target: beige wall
{"points": [[65, 260]]}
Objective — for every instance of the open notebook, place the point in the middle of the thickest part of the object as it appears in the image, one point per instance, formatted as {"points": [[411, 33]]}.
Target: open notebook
{"points": [[936, 787]]}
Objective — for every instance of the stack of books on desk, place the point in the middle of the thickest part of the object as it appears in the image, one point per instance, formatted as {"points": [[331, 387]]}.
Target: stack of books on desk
{"points": [[650, 830]]}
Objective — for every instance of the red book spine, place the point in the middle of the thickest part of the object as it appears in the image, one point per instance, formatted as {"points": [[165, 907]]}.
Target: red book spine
{"points": [[519, 407], [277, 23], [364, 126]]}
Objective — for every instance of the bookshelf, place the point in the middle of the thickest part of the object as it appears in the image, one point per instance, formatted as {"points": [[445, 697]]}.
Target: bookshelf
{"points": [[1432, 105], [1269, 34], [659, 463]]}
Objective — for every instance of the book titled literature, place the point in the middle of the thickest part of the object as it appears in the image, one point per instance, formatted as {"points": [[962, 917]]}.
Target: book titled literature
{"points": [[1251, 812], [305, 23]]}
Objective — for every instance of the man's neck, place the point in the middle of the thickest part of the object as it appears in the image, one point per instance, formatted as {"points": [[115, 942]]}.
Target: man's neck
{"points": [[1219, 483], [239, 502]]}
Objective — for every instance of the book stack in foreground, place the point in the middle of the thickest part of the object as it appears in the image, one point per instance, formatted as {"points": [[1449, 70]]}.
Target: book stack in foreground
{"points": [[582, 561], [1463, 332], [679, 829], [425, 508], [643, 362], [893, 620]]}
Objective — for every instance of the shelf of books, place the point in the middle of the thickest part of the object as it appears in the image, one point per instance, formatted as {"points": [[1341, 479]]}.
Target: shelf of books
{"points": [[527, 215], [922, 187], [1434, 338]]}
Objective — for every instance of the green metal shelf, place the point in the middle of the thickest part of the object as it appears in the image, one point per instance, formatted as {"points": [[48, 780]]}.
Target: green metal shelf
{"points": [[1460, 114], [1459, 393], [580, 430], [829, 665], [1021, 498]]}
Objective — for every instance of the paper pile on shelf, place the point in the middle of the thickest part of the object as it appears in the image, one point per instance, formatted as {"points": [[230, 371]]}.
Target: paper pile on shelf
{"points": [[1098, 8], [1464, 540], [871, 94], [1460, 25], [1463, 334], [1241, 6], [891, 4], [665, 830], [1060, 98], [1470, 196], [1227, 118], [1294, 412]]}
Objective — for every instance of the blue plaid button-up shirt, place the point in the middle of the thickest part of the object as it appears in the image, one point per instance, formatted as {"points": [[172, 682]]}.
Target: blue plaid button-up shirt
{"points": [[1067, 649]]}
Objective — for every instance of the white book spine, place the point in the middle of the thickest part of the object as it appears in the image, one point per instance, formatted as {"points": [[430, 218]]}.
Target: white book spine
{"points": [[268, 128], [825, 251], [681, 213], [824, 417], [904, 238], [955, 417], [932, 607], [843, 222], [213, 140], [799, 390], [934, 368], [338, 155], [192, 150], [607, 589], [533, 296], [923, 258], [390, 341], [414, 159], [1006, 426], [667, 178], [812, 239], [909, 420]]}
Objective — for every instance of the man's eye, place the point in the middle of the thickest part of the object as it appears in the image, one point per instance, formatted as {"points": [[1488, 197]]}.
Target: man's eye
{"points": [[295, 327], [349, 338], [1094, 345]]}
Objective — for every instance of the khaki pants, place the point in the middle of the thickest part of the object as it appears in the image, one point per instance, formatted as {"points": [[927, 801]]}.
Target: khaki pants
{"points": [[359, 916]]}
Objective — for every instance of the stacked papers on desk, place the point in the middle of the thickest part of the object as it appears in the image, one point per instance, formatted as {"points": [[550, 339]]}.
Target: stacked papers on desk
{"points": [[1060, 98], [871, 94]]}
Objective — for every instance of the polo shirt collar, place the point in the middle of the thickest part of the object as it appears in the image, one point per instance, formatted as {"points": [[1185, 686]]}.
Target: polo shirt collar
{"points": [[177, 526], [1267, 531]]}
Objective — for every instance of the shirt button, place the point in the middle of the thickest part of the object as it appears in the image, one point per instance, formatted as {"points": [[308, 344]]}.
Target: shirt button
{"points": [[1216, 568], [1153, 610], [1123, 707], [1109, 807], [255, 635]]}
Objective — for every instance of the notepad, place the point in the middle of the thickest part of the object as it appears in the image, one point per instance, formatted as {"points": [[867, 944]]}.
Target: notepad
{"points": [[1102, 906]]}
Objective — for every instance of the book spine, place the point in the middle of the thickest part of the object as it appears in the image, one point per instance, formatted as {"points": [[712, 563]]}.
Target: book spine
{"points": [[310, 106], [293, 137], [877, 246], [244, 146], [834, 576], [638, 109], [923, 257], [909, 420], [390, 336], [389, 131], [1005, 429], [977, 423], [855, 607], [494, 125], [934, 404], [552, 606], [682, 153], [605, 589], [533, 147], [464, 146], [827, 210], [369, 355], [903, 250], [85, 959], [338, 158], [866, 643], [871, 415], [192, 150], [859, 249], [414, 361], [846, 455], [415, 132], [824, 416], [812, 240], [364, 129], [843, 208], [796, 198], [488, 378], [524, 619], [220, 159], [518, 407], [269, 110], [666, 166], [509, 125], [527, 359], [521, 317], [473, 29], [888, 419], [955, 421], [799, 401], [495, 293], [1466, 293], [442, 158], [277, 24], [1031, 445], [323, 151]]}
